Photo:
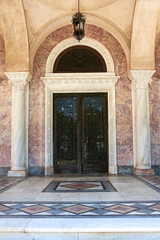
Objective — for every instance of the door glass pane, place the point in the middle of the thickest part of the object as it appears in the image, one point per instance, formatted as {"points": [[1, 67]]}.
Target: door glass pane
{"points": [[66, 128], [80, 133], [94, 148]]}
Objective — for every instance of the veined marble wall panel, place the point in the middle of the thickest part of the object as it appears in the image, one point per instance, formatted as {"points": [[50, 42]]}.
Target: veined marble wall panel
{"points": [[124, 122], [154, 98], [5, 113], [123, 95], [36, 124]]}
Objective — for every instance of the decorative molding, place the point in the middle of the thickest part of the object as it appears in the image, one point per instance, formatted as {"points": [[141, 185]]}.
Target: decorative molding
{"points": [[79, 82], [18, 79], [70, 42], [141, 78]]}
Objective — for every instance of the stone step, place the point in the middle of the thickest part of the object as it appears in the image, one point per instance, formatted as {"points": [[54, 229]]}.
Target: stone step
{"points": [[80, 229]]}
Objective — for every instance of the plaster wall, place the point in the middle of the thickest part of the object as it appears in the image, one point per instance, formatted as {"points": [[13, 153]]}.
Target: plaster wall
{"points": [[115, 11], [15, 35]]}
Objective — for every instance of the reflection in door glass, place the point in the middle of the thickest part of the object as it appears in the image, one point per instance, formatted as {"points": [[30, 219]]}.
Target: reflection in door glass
{"points": [[66, 128], [94, 129]]}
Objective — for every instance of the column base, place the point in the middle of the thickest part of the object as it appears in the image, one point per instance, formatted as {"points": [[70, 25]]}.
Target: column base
{"points": [[140, 172], [113, 169], [17, 173]]}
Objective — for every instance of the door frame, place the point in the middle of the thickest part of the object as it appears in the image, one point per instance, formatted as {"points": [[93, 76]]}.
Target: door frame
{"points": [[80, 83], [80, 107]]}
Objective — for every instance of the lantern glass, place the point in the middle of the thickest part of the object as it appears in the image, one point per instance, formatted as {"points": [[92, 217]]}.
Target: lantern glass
{"points": [[78, 21], [81, 25], [76, 26]]}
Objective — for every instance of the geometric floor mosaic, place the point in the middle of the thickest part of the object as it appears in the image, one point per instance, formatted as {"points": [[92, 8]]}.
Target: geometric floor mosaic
{"points": [[151, 181], [7, 182], [80, 186], [74, 209], [78, 210]]}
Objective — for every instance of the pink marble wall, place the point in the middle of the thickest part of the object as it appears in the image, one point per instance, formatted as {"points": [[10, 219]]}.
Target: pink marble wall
{"points": [[154, 97], [37, 101], [124, 122], [5, 112], [123, 95], [36, 124]]}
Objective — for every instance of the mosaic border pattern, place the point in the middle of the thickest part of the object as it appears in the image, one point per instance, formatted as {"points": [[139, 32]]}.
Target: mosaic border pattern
{"points": [[150, 181], [79, 209], [9, 182], [55, 186]]}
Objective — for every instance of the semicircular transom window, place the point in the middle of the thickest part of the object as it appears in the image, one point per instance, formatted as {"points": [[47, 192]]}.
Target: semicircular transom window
{"points": [[79, 59]]}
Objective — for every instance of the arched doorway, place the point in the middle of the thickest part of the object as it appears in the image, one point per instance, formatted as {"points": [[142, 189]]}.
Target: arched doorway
{"points": [[97, 83], [80, 119], [79, 59]]}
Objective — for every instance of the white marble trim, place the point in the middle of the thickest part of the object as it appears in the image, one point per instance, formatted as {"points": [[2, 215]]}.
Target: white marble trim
{"points": [[79, 83], [20, 100], [70, 42], [140, 81]]}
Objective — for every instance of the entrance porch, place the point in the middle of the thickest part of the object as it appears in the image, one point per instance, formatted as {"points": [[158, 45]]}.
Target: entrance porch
{"points": [[80, 207]]}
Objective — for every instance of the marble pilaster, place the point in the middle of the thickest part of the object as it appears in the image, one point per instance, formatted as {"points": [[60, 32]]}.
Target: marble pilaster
{"points": [[141, 121], [18, 80]]}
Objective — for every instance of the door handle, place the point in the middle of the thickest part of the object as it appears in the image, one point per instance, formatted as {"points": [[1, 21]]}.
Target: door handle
{"points": [[82, 144]]}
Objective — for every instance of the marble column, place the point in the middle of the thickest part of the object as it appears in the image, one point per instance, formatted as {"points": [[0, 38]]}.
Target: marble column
{"points": [[141, 121], [18, 80]]}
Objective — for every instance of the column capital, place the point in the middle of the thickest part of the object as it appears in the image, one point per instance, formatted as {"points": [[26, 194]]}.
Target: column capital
{"points": [[141, 78], [18, 79]]}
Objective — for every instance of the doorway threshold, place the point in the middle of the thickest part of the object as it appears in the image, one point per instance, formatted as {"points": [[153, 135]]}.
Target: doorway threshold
{"points": [[83, 175]]}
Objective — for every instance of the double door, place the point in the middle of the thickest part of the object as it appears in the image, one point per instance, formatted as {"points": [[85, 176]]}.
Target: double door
{"points": [[80, 133]]}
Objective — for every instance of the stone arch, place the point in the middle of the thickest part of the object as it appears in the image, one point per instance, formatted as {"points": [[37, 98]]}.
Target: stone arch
{"points": [[37, 91], [70, 42], [54, 24], [92, 32]]}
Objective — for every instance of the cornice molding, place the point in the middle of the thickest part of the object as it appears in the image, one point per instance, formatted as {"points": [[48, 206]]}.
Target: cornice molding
{"points": [[80, 82]]}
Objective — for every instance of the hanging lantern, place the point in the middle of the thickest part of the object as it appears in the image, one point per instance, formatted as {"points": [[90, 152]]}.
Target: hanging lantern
{"points": [[78, 21]]}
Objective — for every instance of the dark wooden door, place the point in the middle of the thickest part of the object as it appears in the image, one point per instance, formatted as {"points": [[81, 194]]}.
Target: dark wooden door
{"points": [[80, 133]]}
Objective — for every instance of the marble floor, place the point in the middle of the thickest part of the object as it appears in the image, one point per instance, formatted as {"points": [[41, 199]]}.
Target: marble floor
{"points": [[82, 207], [99, 196]]}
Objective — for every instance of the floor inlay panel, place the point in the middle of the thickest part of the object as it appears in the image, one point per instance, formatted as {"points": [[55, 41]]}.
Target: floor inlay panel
{"points": [[79, 209], [8, 182], [151, 181], [80, 186]]}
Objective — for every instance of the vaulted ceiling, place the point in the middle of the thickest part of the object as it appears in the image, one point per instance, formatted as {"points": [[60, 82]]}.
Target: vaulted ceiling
{"points": [[25, 23]]}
